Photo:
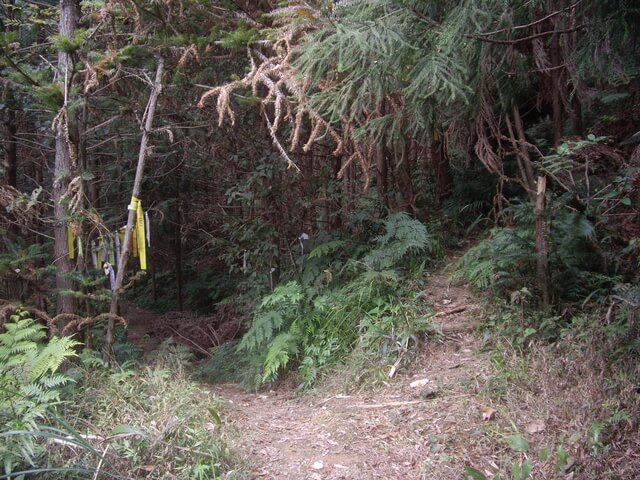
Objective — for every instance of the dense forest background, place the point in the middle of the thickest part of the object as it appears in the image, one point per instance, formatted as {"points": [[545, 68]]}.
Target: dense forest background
{"points": [[303, 165]]}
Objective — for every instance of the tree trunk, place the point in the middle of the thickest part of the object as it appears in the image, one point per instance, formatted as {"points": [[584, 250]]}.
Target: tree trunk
{"points": [[88, 162], [178, 243], [577, 126], [556, 86], [519, 142], [381, 176], [11, 146], [63, 164], [443, 171], [542, 247], [10, 139], [137, 186], [403, 177], [336, 200]]}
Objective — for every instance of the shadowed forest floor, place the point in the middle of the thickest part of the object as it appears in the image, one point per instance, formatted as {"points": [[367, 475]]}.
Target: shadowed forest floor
{"points": [[391, 430], [486, 408], [386, 429]]}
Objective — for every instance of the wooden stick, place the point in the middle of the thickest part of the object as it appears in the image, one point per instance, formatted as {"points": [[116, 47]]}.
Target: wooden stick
{"points": [[449, 312], [386, 405], [146, 128]]}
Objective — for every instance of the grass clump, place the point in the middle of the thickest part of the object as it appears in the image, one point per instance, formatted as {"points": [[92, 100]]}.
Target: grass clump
{"points": [[156, 421]]}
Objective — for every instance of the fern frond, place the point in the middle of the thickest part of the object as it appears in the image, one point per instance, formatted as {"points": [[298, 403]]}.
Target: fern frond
{"points": [[52, 356], [281, 350], [290, 293], [31, 333], [22, 346], [327, 248], [264, 327], [402, 236], [54, 381]]}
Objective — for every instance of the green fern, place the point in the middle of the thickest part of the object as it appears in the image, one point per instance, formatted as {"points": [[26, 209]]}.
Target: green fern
{"points": [[276, 313], [281, 349], [264, 328], [327, 248], [283, 296], [29, 385], [504, 260], [403, 236], [49, 358]]}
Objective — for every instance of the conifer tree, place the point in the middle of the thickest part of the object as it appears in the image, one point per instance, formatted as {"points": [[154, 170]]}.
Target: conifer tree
{"points": [[65, 156]]}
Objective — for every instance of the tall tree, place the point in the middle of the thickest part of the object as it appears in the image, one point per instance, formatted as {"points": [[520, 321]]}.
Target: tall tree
{"points": [[64, 157]]}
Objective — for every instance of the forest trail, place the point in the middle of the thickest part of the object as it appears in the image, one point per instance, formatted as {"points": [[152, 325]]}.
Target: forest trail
{"points": [[383, 431]]}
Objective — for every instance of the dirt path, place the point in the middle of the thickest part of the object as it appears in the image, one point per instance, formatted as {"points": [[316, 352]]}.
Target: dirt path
{"points": [[396, 431]]}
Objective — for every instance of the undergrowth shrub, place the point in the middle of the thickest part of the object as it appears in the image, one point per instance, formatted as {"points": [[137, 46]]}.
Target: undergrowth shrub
{"points": [[158, 422], [505, 262], [125, 352], [30, 387], [346, 297]]}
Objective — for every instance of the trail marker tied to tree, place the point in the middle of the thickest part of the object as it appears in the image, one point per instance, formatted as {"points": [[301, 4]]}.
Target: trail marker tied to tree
{"points": [[135, 210]]}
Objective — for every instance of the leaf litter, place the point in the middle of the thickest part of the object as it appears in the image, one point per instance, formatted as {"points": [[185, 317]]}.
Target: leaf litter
{"points": [[393, 430]]}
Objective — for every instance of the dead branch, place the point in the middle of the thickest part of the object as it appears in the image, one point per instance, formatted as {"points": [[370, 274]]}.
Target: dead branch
{"points": [[536, 22]]}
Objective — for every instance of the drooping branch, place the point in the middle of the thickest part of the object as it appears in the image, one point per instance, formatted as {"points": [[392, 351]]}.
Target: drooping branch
{"points": [[530, 37], [285, 96], [274, 74], [534, 23]]}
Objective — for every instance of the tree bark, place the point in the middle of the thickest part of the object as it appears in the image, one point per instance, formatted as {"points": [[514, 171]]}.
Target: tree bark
{"points": [[381, 176], [542, 246], [519, 142], [443, 171], [177, 229], [63, 164], [10, 140], [556, 86], [336, 200], [403, 177], [10, 145], [137, 186]]}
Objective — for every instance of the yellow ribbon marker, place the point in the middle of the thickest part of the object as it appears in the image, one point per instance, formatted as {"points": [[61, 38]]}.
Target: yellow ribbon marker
{"points": [[139, 235], [71, 237]]}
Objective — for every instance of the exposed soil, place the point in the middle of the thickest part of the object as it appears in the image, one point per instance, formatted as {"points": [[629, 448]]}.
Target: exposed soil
{"points": [[390, 430]]}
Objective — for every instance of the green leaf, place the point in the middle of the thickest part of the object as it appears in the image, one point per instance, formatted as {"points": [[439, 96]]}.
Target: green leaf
{"points": [[625, 201], [517, 443], [87, 175], [544, 454], [475, 474], [522, 471], [215, 415], [562, 459]]}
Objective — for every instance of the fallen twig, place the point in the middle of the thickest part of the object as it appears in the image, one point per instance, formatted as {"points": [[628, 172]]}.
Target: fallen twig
{"points": [[449, 312], [385, 405], [331, 398]]}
